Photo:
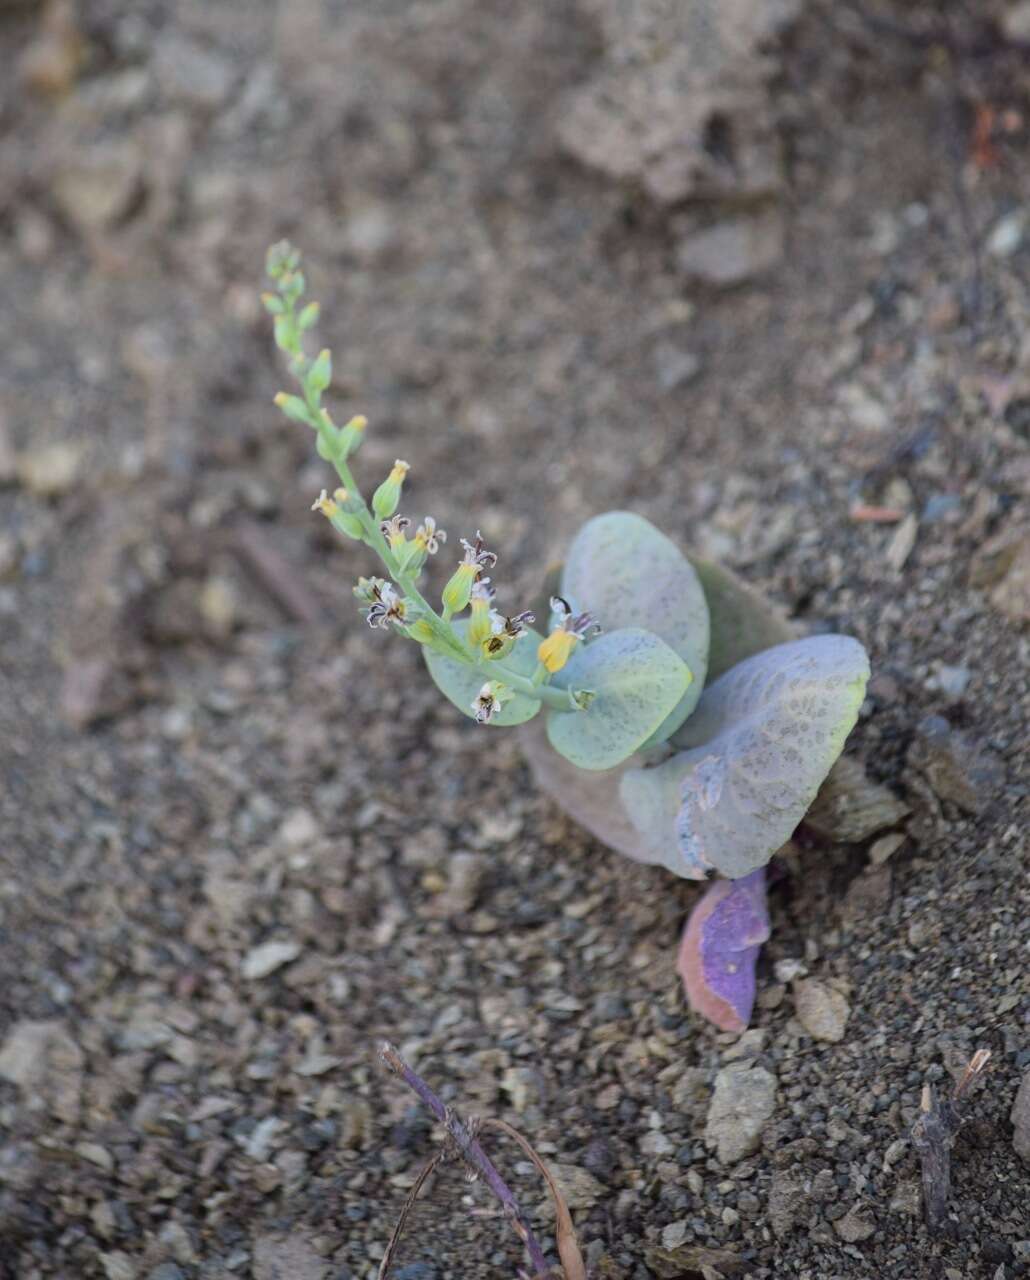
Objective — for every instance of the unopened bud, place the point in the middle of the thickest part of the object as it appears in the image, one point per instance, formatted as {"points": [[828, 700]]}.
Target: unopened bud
{"points": [[388, 495]]}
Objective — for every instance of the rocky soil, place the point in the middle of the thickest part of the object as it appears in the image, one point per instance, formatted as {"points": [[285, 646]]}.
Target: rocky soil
{"points": [[758, 271]]}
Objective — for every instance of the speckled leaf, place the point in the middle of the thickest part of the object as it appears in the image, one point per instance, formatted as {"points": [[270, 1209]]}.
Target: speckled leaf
{"points": [[651, 800], [628, 574], [763, 738], [461, 684], [637, 680]]}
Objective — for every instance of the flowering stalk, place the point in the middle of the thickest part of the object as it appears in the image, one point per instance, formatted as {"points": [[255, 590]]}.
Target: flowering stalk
{"points": [[379, 526]]}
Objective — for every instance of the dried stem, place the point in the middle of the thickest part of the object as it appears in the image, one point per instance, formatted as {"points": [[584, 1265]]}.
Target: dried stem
{"points": [[932, 1136], [384, 1266], [473, 1154]]}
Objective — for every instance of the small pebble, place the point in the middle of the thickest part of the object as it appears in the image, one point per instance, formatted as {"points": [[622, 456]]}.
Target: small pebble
{"points": [[821, 1010], [263, 960], [1006, 236]]}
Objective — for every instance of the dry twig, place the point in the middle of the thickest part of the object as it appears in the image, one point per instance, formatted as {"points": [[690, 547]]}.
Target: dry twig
{"points": [[933, 1135], [466, 1144]]}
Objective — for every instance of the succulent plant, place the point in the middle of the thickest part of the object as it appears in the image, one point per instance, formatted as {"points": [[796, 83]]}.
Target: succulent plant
{"points": [[665, 705]]}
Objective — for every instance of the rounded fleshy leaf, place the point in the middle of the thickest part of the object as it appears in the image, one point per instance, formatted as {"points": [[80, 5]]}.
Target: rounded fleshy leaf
{"points": [[636, 680], [461, 684], [629, 574], [720, 948], [650, 798], [742, 622], [763, 738]]}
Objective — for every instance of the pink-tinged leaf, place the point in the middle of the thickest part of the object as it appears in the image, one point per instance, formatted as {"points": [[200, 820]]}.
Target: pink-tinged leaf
{"points": [[720, 949]]}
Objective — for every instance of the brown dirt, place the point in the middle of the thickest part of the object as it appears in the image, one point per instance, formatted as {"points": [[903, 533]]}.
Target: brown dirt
{"points": [[202, 754]]}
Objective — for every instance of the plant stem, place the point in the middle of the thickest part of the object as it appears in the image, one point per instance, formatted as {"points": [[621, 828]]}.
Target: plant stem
{"points": [[552, 697], [472, 1153], [534, 688]]}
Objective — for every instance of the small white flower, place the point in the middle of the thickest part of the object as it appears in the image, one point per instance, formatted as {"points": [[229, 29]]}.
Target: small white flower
{"points": [[429, 537], [489, 701], [386, 607]]}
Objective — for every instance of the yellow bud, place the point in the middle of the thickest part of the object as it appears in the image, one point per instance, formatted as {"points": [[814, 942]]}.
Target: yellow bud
{"points": [[555, 650]]}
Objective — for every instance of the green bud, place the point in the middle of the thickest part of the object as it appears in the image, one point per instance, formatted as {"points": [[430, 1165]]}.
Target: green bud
{"points": [[458, 590], [292, 286], [480, 628], [321, 372], [285, 337], [348, 524], [294, 408], [387, 497], [308, 316], [351, 436], [327, 442], [272, 304], [281, 257]]}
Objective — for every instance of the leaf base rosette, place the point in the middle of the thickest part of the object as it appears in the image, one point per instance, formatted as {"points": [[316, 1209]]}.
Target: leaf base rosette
{"points": [[731, 771]]}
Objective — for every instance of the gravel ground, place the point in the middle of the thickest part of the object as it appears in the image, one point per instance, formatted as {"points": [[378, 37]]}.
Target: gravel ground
{"points": [[243, 839]]}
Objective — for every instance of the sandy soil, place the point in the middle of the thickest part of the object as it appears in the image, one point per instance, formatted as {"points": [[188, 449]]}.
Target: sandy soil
{"points": [[241, 839]]}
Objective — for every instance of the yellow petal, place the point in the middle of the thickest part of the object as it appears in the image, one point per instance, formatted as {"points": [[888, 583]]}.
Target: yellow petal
{"points": [[554, 651]]}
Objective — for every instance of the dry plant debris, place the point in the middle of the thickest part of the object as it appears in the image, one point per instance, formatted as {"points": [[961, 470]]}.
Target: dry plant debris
{"points": [[464, 1144]]}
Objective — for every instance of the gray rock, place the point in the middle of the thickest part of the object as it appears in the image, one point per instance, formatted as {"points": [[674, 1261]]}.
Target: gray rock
{"points": [[674, 366], [1015, 22], [263, 960], [579, 1187], [356, 1123], [785, 1200], [522, 1085], [951, 681], [907, 1198], [191, 74], [821, 1010], [167, 1271], [287, 1258], [955, 766], [1020, 1117], [174, 1237], [679, 105], [732, 251], [118, 1266], [1007, 234], [96, 187], [853, 1228], [850, 807], [49, 470], [742, 1104], [675, 1233], [44, 1062]]}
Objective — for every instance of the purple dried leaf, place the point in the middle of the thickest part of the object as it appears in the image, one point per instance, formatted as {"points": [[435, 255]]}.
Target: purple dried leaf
{"points": [[720, 947]]}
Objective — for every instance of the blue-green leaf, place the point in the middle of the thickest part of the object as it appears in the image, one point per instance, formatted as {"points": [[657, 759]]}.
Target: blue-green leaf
{"points": [[628, 574], [753, 756], [742, 621], [462, 683], [636, 680]]}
